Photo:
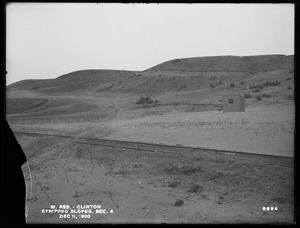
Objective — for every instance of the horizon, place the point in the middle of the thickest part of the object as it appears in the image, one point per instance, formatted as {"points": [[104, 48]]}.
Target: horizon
{"points": [[151, 66], [72, 42]]}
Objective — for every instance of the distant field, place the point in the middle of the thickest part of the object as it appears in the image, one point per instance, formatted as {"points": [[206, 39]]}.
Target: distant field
{"points": [[18, 105]]}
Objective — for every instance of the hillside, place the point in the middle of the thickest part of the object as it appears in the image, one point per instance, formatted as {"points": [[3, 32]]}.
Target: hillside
{"points": [[73, 82], [174, 76], [187, 82], [228, 64]]}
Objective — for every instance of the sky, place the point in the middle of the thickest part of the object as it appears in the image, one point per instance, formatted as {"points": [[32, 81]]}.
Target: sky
{"points": [[47, 40]]}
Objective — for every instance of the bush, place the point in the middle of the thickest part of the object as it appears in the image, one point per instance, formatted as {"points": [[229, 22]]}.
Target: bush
{"points": [[232, 85], [266, 95], [256, 90], [247, 95], [255, 87], [182, 87], [145, 100], [276, 83], [195, 188], [176, 60], [242, 83], [212, 86], [258, 98], [288, 88], [173, 184]]}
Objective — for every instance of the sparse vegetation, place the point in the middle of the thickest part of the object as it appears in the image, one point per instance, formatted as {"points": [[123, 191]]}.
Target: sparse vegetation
{"points": [[176, 61], [259, 98], [182, 87], [146, 100], [288, 88], [19, 105], [247, 95], [232, 85], [220, 82], [266, 84], [212, 86], [174, 184], [256, 90], [256, 87], [266, 95], [179, 203], [243, 83], [195, 188]]}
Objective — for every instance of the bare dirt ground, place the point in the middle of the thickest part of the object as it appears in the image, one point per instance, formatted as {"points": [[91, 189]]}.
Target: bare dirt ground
{"points": [[143, 186], [143, 183], [263, 130]]}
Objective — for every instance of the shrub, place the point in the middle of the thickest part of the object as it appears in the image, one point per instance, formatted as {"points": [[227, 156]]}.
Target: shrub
{"points": [[242, 83], [182, 86], [144, 100], [258, 98], [176, 60], [256, 90], [247, 95], [232, 85], [173, 184], [276, 83], [288, 88], [212, 86], [195, 188], [266, 95]]}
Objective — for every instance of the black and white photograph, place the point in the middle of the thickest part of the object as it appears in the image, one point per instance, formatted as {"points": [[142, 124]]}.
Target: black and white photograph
{"points": [[152, 113]]}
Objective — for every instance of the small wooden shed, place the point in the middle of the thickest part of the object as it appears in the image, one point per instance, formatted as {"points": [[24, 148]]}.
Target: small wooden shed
{"points": [[233, 103]]}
